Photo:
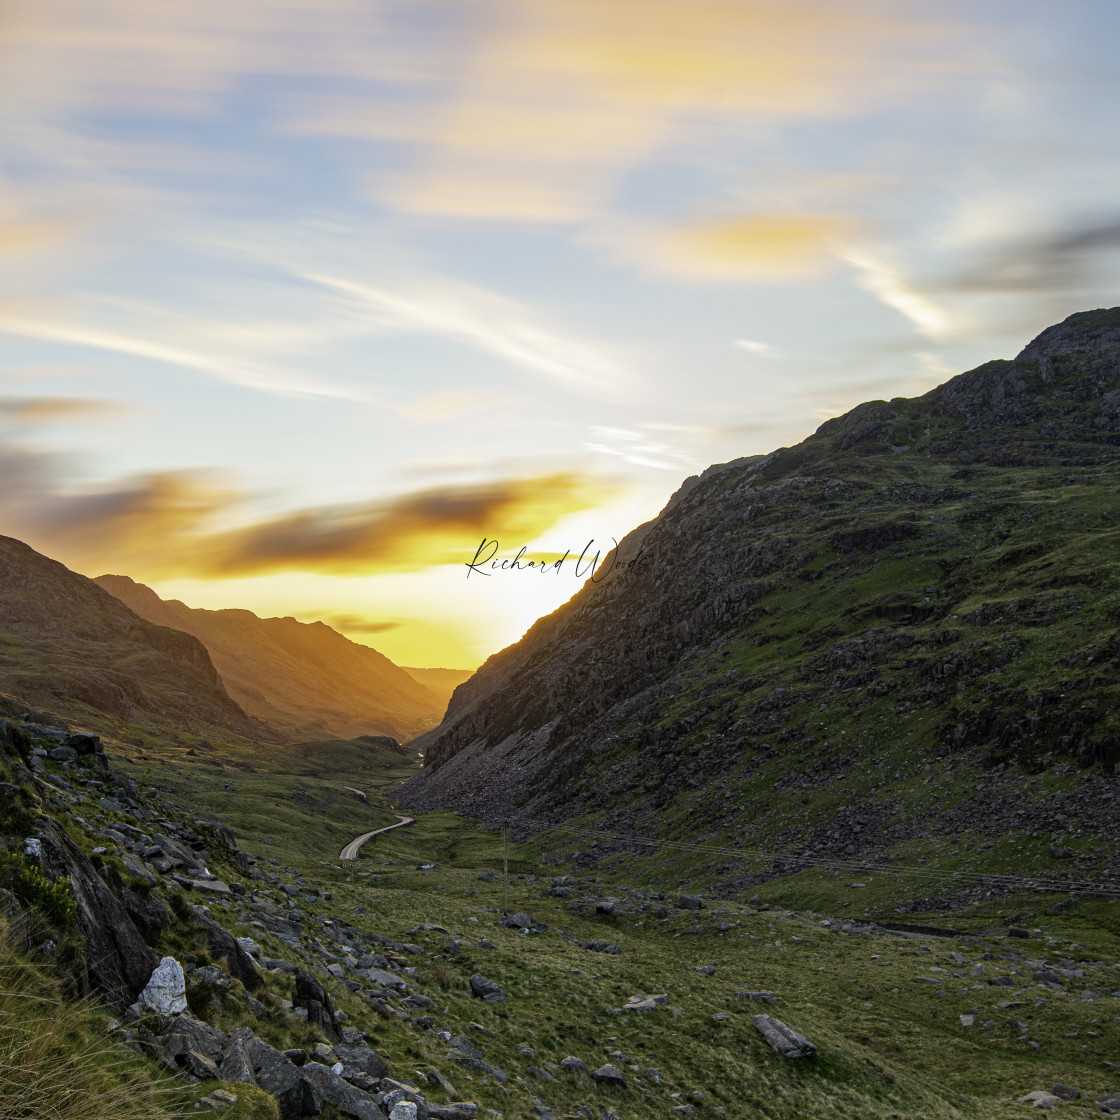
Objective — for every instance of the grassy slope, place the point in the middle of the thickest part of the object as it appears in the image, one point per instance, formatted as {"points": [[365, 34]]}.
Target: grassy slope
{"points": [[884, 1052]]}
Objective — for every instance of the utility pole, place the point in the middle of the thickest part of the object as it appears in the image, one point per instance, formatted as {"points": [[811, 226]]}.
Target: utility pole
{"points": [[505, 871]]}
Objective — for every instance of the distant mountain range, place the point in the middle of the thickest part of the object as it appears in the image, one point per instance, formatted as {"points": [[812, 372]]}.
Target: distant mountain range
{"points": [[925, 590], [304, 679], [69, 647]]}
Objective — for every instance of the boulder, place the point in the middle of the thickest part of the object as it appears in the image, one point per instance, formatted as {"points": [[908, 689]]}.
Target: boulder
{"points": [[689, 902], [295, 1095], [1040, 1099], [520, 920], [166, 990], [609, 1075], [223, 944], [601, 947], [236, 1065], [782, 1038], [62, 754], [1109, 1105], [314, 998], [84, 743], [486, 989], [188, 1033], [574, 1065], [118, 959], [148, 914], [331, 1088], [360, 1058]]}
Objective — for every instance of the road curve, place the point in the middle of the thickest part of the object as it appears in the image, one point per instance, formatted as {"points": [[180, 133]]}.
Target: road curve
{"points": [[351, 850]]}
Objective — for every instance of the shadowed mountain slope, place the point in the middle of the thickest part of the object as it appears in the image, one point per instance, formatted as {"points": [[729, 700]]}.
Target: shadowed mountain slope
{"points": [[303, 678], [925, 590], [70, 647]]}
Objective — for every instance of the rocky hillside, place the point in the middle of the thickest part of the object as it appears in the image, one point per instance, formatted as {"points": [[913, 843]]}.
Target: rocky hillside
{"points": [[924, 590], [303, 678], [68, 646]]}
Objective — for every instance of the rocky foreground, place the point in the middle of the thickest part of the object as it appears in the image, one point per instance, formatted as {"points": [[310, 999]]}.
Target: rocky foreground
{"points": [[264, 1010]]}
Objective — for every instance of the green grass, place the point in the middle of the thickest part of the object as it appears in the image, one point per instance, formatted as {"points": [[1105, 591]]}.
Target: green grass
{"points": [[889, 1047]]}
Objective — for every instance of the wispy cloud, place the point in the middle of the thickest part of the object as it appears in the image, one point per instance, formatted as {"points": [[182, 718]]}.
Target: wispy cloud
{"points": [[887, 281], [56, 410], [761, 349], [198, 525], [250, 373], [488, 321]]}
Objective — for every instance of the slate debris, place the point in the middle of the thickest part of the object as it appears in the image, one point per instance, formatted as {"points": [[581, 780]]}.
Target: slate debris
{"points": [[783, 1038]]}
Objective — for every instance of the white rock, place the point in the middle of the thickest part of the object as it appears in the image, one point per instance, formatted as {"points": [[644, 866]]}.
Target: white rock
{"points": [[34, 847], [250, 946], [403, 1110], [166, 991]]}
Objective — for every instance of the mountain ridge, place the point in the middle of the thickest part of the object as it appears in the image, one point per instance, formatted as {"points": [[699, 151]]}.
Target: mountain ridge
{"points": [[875, 569], [67, 644], [305, 679]]}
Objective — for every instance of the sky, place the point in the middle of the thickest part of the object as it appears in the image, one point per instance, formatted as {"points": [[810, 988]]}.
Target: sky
{"points": [[301, 301]]}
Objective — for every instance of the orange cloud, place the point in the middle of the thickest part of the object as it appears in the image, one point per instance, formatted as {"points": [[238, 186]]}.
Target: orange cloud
{"points": [[760, 245], [60, 410], [166, 526], [555, 99]]}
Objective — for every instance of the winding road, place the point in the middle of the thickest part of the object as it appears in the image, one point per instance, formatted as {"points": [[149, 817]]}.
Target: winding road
{"points": [[351, 850]]}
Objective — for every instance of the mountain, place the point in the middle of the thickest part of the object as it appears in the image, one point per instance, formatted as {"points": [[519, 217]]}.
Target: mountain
{"points": [[442, 682], [70, 647], [924, 593], [305, 679]]}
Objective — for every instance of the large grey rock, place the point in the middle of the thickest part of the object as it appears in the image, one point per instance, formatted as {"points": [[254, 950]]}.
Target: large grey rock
{"points": [[520, 920], [62, 754], [135, 866], [480, 1066], [690, 902], [349, 1100], [166, 990], [574, 1065], [312, 996], [1110, 1104], [236, 1065], [84, 743], [223, 944], [486, 989], [148, 914], [602, 947], [383, 979], [459, 1110], [609, 1075], [782, 1038], [118, 960], [295, 1095], [188, 1033], [360, 1058]]}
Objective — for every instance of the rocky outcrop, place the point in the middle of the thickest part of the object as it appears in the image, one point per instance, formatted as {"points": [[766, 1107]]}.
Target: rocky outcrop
{"points": [[119, 961], [913, 556]]}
